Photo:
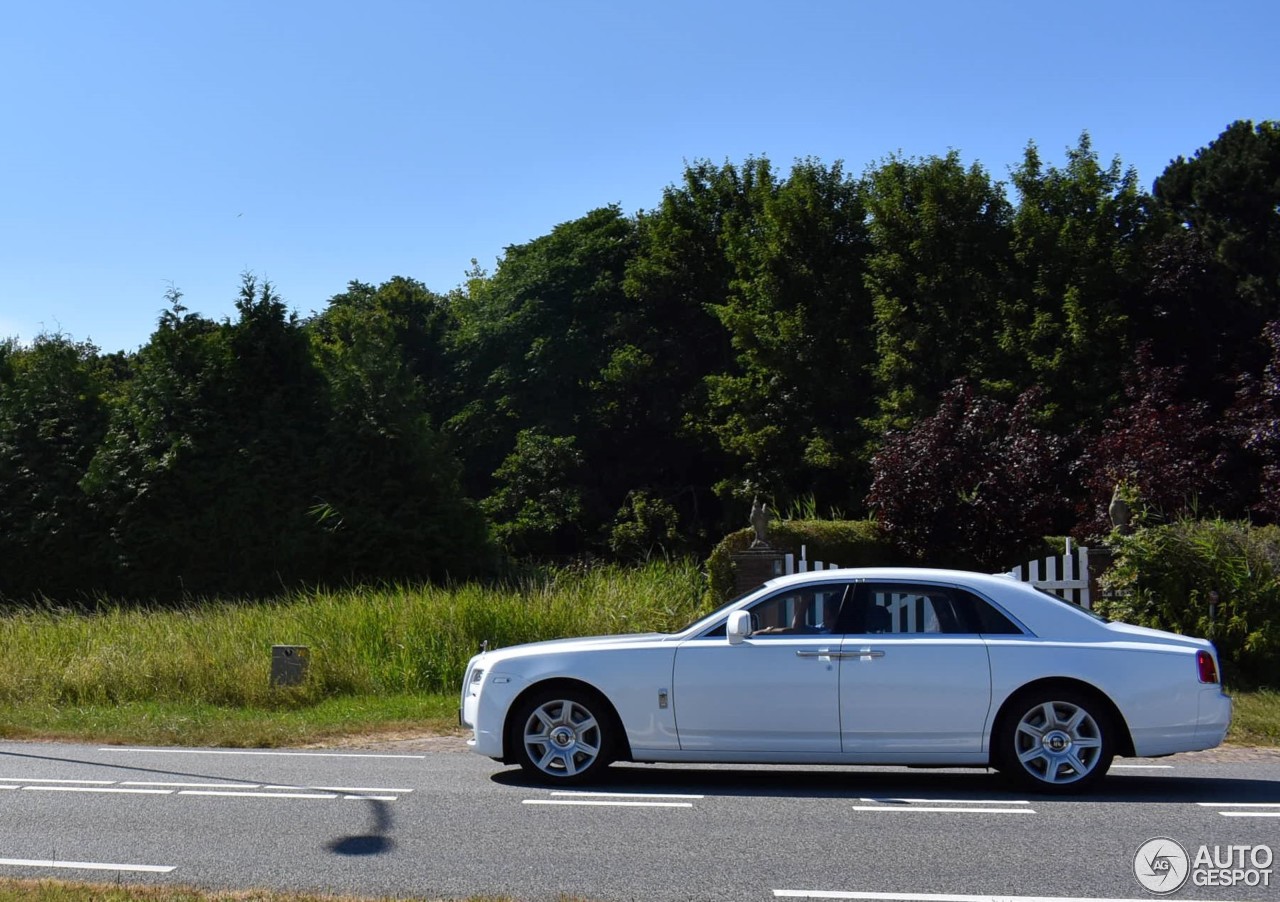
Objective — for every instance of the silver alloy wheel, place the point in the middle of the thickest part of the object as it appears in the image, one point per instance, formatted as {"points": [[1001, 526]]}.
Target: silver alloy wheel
{"points": [[1058, 742], [562, 738]]}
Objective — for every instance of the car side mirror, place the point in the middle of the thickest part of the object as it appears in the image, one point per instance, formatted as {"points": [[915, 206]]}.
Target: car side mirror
{"points": [[738, 627]]}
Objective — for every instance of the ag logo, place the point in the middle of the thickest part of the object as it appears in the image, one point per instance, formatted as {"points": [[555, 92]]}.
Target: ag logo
{"points": [[1161, 866]]}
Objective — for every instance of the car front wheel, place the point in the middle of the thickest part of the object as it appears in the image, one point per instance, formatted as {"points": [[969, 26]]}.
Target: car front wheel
{"points": [[1056, 741], [563, 736]]}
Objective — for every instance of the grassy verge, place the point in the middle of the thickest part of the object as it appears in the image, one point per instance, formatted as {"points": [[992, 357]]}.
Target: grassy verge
{"points": [[1256, 720], [366, 643], [62, 891], [196, 724], [382, 660]]}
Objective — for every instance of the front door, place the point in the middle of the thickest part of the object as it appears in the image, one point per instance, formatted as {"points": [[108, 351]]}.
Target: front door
{"points": [[776, 691]]}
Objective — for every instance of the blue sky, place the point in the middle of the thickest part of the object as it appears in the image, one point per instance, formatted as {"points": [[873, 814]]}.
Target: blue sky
{"points": [[149, 144]]}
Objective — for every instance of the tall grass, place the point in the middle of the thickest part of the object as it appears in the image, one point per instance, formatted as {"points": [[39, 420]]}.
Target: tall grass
{"points": [[389, 640]]}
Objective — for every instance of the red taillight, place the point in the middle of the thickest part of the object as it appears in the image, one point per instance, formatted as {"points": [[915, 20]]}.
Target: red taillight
{"points": [[1208, 669]]}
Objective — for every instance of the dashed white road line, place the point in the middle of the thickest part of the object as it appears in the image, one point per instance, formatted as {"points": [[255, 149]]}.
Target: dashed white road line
{"points": [[192, 785], [946, 806], [225, 790], [340, 788], [1142, 766], [585, 799], [274, 754], [119, 790], [936, 897], [953, 801], [228, 793], [1249, 813], [86, 865], [601, 803], [55, 780], [1255, 809], [626, 795]]}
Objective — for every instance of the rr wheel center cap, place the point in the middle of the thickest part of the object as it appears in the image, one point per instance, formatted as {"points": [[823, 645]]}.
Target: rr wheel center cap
{"points": [[1057, 741], [563, 737]]}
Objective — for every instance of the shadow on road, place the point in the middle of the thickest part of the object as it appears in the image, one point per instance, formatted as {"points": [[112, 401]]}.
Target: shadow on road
{"points": [[375, 842], [854, 783]]}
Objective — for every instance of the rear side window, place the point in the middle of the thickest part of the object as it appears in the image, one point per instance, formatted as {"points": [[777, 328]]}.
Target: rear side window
{"points": [[982, 616], [916, 609]]}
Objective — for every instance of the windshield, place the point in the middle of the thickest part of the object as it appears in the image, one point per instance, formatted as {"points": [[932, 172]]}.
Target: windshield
{"points": [[720, 610]]}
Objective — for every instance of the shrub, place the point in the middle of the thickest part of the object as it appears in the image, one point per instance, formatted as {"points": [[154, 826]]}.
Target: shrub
{"points": [[1164, 575], [975, 485], [849, 543]]}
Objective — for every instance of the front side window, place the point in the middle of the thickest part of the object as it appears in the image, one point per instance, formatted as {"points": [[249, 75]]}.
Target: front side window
{"points": [[811, 609]]}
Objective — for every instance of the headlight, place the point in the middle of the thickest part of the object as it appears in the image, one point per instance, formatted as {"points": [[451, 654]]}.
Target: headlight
{"points": [[477, 677]]}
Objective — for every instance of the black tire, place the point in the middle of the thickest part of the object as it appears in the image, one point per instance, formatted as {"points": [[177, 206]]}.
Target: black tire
{"points": [[563, 736], [1055, 741]]}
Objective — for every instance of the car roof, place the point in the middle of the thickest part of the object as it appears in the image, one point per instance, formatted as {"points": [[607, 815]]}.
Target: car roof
{"points": [[914, 574]]}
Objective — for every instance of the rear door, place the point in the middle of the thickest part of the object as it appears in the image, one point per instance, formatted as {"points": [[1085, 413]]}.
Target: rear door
{"points": [[915, 678]]}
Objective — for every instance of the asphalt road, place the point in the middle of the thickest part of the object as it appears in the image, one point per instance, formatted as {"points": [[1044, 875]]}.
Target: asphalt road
{"points": [[448, 823]]}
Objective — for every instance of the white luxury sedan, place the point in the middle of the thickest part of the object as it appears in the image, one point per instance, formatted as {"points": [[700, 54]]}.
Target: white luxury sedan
{"points": [[861, 666]]}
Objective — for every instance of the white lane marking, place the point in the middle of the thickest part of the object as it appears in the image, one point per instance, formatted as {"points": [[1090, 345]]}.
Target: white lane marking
{"points": [[1239, 804], [937, 897], [193, 785], [932, 810], [51, 780], [372, 798], [251, 752], [627, 795], [604, 804], [953, 801], [256, 795], [87, 865], [113, 789], [8, 787], [341, 788], [1249, 813], [1143, 766]]}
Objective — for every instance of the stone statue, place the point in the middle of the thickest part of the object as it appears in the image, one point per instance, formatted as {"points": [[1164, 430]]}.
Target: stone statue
{"points": [[1119, 512], [760, 517]]}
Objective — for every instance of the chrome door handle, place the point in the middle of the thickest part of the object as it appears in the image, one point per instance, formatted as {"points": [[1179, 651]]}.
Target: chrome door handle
{"points": [[820, 653], [866, 653]]}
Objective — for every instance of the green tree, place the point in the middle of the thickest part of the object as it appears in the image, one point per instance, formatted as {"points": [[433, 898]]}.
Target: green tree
{"points": [[1228, 193], [537, 506], [940, 236], [53, 414], [1079, 249], [799, 320], [540, 346], [389, 498], [207, 469]]}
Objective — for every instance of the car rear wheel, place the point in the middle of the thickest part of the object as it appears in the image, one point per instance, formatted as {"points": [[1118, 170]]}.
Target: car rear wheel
{"points": [[564, 736], [1056, 741]]}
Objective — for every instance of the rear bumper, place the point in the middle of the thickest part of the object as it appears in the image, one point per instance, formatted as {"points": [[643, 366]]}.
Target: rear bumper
{"points": [[1214, 717]]}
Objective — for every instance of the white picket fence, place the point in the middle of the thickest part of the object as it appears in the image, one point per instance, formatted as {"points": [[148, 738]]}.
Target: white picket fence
{"points": [[792, 564], [1066, 576]]}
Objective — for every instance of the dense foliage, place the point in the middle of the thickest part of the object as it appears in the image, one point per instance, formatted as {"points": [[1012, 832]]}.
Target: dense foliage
{"points": [[972, 363], [1210, 578]]}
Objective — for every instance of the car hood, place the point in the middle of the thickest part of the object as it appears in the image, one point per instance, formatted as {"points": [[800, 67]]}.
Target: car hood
{"points": [[1128, 630], [583, 643]]}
